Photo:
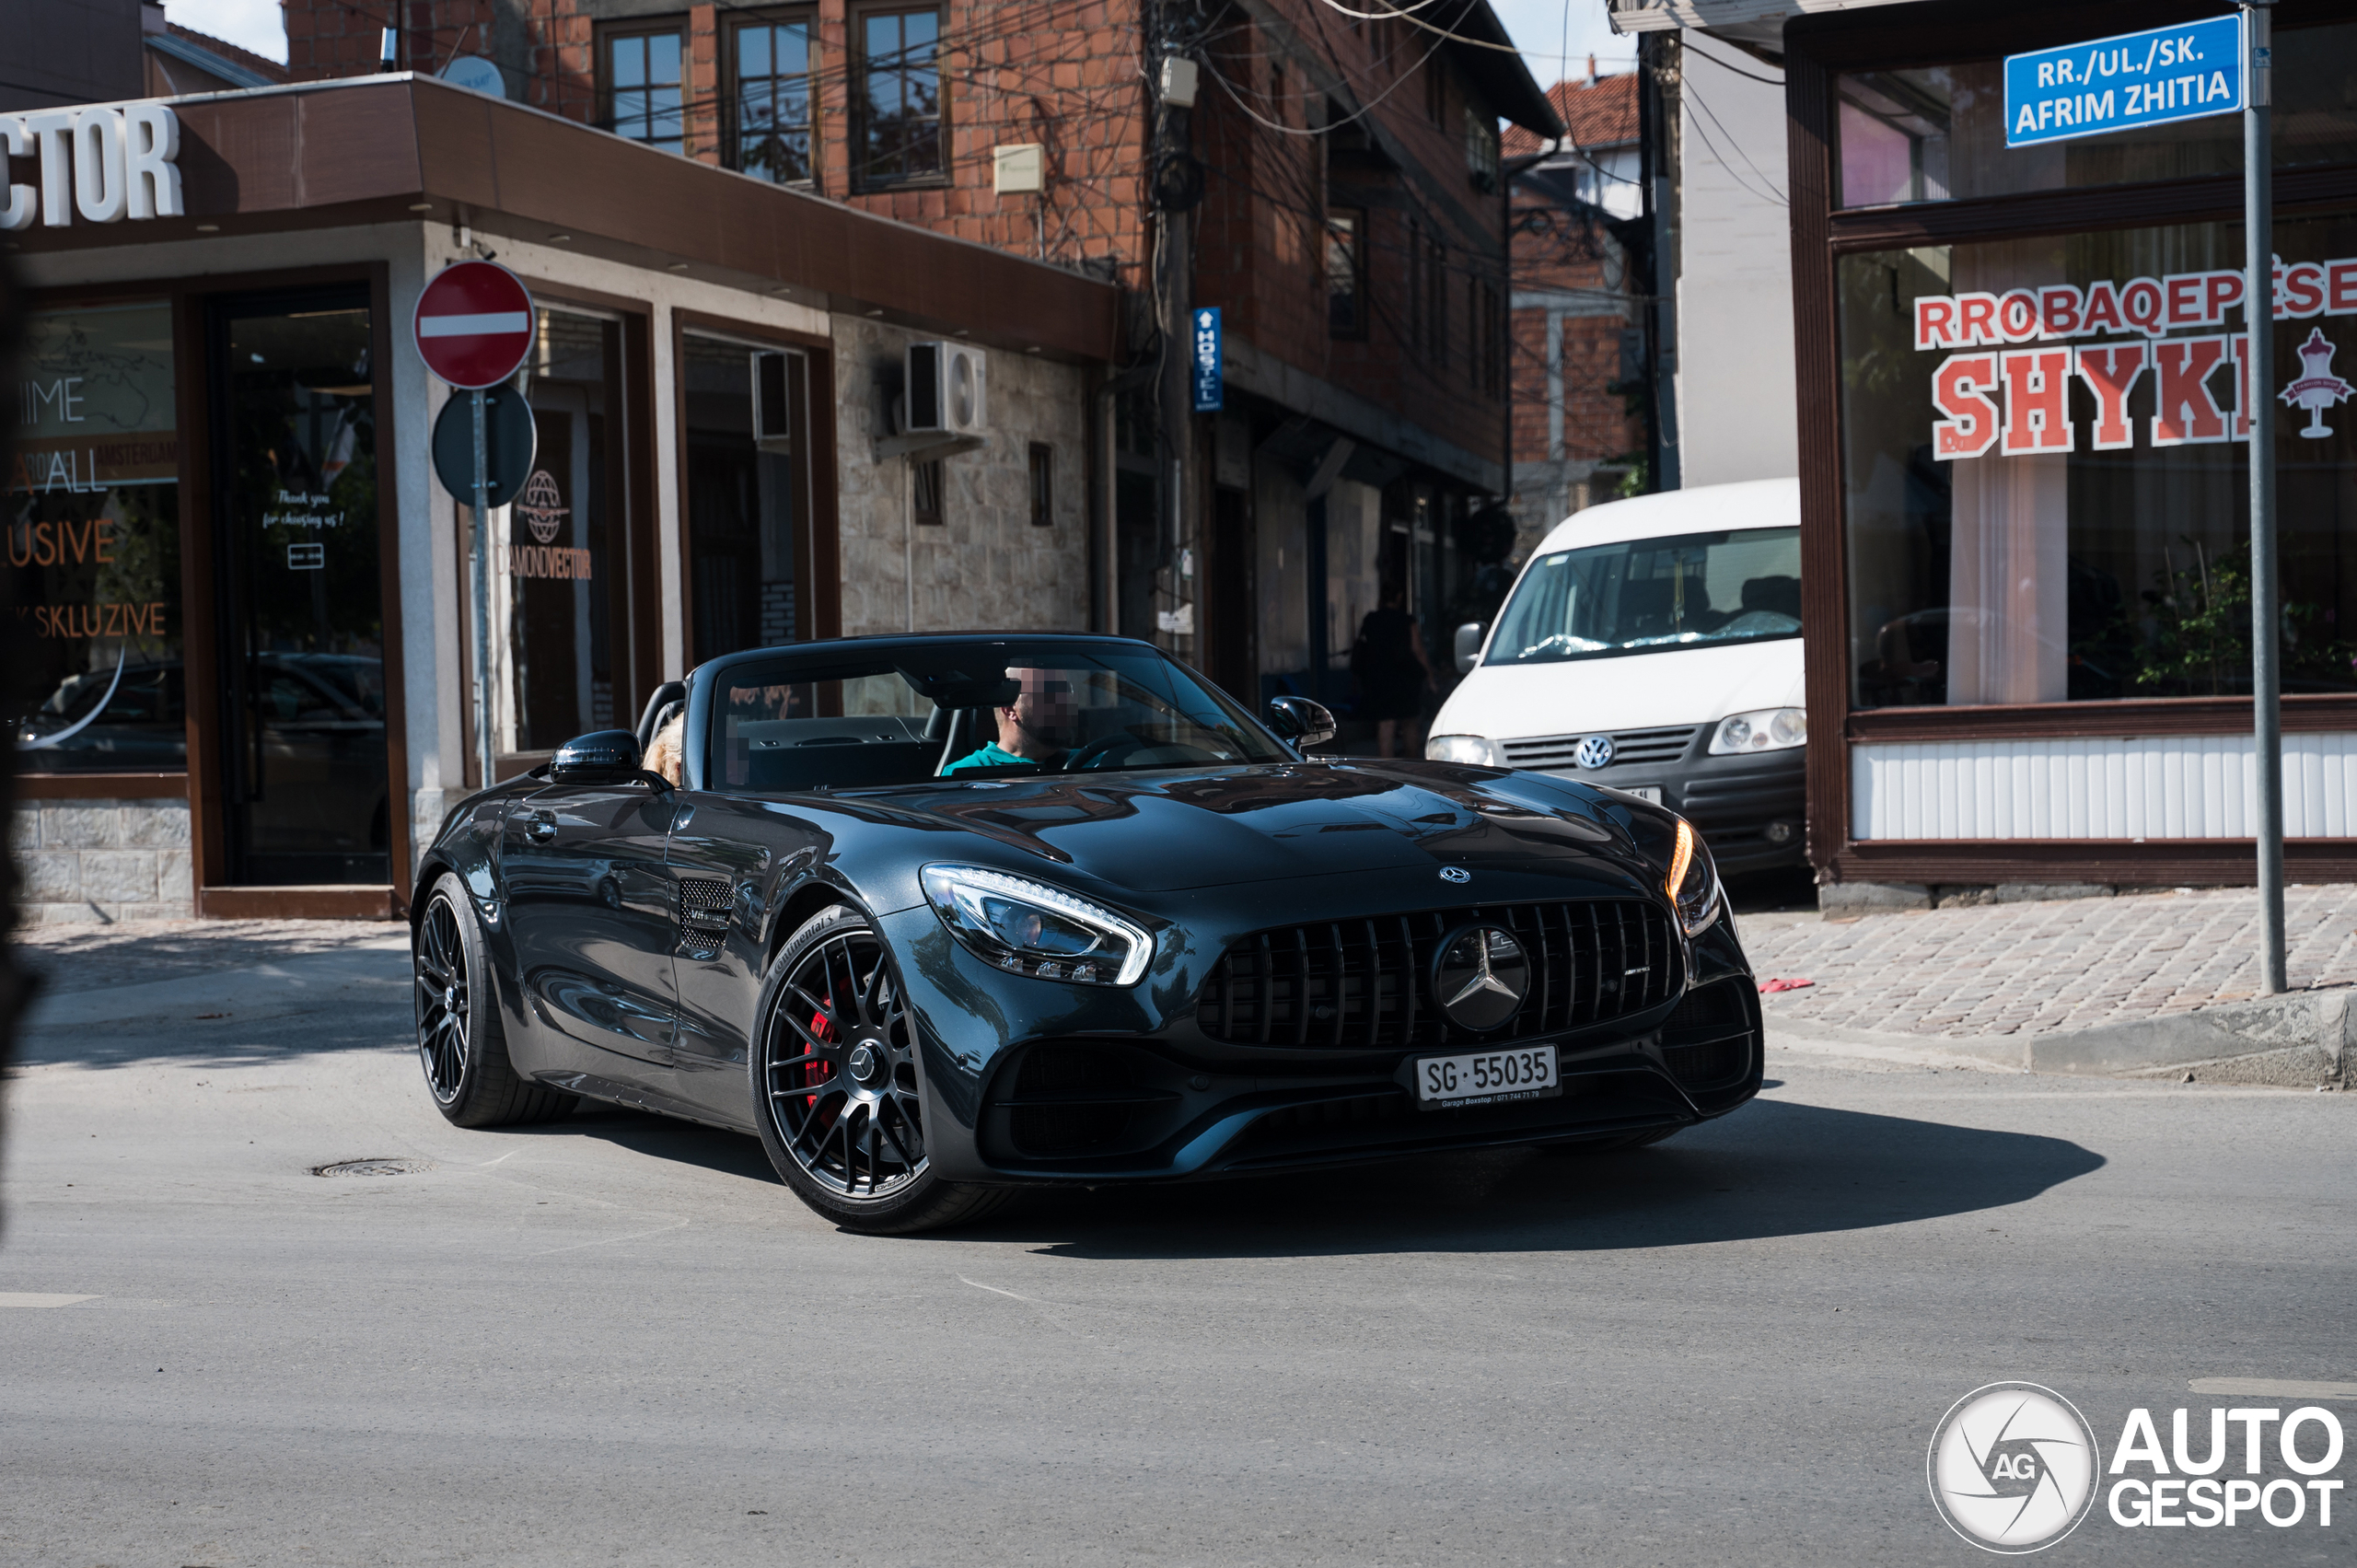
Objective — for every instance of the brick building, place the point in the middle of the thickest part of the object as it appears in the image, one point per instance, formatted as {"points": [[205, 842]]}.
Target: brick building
{"points": [[1331, 183], [1578, 437]]}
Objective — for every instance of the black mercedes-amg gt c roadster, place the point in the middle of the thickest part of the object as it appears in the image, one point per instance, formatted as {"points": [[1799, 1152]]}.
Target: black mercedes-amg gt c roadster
{"points": [[938, 917]]}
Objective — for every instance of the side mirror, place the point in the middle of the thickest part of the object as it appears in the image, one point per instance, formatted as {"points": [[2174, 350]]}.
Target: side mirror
{"points": [[1469, 646], [605, 755], [1301, 722]]}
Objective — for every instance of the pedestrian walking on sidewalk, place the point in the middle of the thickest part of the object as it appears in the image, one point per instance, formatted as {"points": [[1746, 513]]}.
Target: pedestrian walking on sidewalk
{"points": [[1393, 676]]}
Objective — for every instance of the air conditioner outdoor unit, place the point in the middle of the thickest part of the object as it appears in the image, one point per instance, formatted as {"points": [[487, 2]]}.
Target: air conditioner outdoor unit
{"points": [[947, 389]]}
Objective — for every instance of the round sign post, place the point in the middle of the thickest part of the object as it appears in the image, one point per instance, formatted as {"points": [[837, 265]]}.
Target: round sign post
{"points": [[473, 327]]}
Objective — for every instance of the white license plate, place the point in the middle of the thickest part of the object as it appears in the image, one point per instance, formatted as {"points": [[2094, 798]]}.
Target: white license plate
{"points": [[1487, 1078], [1649, 794]]}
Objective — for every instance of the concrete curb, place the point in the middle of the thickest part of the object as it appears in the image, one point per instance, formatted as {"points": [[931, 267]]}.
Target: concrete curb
{"points": [[2295, 1040]]}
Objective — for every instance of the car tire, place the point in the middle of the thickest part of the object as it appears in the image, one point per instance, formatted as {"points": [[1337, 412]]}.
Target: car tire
{"points": [[838, 1099], [461, 1039]]}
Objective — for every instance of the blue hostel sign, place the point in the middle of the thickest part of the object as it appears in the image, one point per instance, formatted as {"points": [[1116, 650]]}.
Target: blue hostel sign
{"points": [[1210, 392], [2123, 83]]}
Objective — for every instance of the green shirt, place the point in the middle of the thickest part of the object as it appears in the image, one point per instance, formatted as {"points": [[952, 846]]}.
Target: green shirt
{"points": [[991, 756]]}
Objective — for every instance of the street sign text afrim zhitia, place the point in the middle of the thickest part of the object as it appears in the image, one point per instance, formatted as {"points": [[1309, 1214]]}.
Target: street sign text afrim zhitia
{"points": [[2123, 82]]}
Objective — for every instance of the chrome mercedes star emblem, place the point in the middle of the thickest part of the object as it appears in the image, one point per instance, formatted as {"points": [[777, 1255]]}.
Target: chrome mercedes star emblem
{"points": [[1594, 751], [1480, 977], [1455, 874]]}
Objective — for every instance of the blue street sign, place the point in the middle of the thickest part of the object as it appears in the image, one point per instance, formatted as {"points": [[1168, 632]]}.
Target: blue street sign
{"points": [[2120, 84], [1210, 388]]}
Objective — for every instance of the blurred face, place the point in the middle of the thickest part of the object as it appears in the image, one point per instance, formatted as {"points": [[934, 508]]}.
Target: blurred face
{"points": [[1040, 722]]}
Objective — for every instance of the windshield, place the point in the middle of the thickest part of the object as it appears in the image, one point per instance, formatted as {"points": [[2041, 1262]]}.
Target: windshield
{"points": [[994, 708], [1743, 585]]}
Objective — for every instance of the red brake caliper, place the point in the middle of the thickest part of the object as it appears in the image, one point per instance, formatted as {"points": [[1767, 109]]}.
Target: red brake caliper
{"points": [[818, 1072]]}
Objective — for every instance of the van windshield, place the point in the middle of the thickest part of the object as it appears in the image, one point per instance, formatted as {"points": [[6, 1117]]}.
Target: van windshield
{"points": [[1642, 595]]}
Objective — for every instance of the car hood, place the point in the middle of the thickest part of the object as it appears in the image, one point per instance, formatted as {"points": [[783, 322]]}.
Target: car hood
{"points": [[1201, 827], [1674, 686]]}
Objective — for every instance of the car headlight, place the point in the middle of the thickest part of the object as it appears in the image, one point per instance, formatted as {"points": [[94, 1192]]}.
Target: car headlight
{"points": [[1693, 882], [1762, 729], [1477, 751], [1029, 928]]}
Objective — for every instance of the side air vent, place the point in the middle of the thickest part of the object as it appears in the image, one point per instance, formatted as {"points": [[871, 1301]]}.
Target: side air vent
{"points": [[1709, 1039]]}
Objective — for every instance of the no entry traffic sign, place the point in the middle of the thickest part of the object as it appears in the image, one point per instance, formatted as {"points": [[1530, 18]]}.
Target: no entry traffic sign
{"points": [[474, 324]]}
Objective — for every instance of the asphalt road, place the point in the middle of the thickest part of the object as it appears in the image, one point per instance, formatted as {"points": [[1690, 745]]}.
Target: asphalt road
{"points": [[1729, 1349]]}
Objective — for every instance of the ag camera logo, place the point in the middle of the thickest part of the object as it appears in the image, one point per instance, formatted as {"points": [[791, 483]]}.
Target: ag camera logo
{"points": [[2013, 1468]]}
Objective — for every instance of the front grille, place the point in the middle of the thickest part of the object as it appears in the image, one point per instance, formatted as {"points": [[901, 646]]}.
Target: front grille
{"points": [[1366, 984], [1629, 747], [1078, 1098], [1707, 1039]]}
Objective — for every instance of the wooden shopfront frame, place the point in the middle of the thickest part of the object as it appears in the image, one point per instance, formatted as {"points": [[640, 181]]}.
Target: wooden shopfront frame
{"points": [[818, 549], [1818, 49], [200, 784], [640, 553]]}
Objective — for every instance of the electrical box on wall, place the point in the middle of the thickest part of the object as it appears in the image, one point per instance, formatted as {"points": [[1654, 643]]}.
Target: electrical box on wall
{"points": [[1019, 169], [945, 389]]}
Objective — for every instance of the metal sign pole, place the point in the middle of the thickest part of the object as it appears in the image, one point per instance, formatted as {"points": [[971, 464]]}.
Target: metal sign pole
{"points": [[482, 596], [2265, 614]]}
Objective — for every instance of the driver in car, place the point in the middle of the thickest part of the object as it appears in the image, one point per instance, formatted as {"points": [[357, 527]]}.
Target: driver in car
{"points": [[1037, 728]]}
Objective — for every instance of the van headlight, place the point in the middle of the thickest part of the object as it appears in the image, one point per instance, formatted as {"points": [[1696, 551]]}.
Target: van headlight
{"points": [[1474, 751], [1029, 928], [1762, 729], [1693, 881]]}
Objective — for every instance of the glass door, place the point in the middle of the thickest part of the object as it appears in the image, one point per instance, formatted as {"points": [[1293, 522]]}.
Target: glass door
{"points": [[306, 793]]}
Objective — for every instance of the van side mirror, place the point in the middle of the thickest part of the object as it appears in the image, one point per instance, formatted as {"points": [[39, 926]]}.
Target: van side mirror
{"points": [[1469, 646], [605, 755], [1300, 722]]}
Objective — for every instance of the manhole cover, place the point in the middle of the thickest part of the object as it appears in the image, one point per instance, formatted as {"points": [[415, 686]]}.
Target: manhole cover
{"points": [[373, 1167]]}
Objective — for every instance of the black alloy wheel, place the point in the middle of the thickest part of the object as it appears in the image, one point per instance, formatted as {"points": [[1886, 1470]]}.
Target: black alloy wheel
{"points": [[836, 1073], [441, 966], [461, 1041], [842, 1080]]}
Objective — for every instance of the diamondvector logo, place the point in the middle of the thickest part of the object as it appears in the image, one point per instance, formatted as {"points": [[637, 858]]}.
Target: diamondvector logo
{"points": [[2013, 1468]]}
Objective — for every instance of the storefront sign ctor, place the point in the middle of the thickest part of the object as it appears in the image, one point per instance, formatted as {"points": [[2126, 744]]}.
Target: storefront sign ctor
{"points": [[2033, 384], [2120, 84], [106, 164], [1211, 391]]}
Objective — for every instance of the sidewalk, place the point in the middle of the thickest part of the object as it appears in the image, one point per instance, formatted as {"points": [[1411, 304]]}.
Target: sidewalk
{"points": [[2143, 983]]}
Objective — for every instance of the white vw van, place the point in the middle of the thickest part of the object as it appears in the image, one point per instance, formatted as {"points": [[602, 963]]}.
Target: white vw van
{"points": [[1655, 645]]}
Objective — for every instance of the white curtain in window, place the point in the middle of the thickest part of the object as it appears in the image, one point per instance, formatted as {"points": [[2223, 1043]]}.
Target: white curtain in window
{"points": [[2009, 548]]}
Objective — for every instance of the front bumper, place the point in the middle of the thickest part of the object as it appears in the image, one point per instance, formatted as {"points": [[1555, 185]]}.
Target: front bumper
{"points": [[1740, 804], [1031, 1081]]}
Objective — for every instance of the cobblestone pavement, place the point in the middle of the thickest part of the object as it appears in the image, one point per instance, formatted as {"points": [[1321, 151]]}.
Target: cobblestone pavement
{"points": [[90, 958], [2028, 969]]}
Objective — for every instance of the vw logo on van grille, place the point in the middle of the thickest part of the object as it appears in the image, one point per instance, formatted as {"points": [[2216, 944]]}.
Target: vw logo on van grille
{"points": [[1596, 752]]}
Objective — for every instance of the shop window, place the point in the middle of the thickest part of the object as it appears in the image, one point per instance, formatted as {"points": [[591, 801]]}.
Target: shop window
{"points": [[1938, 134], [2048, 495], [641, 86], [900, 128], [1346, 271], [748, 474], [770, 63], [559, 554], [1043, 485], [306, 797], [94, 543]]}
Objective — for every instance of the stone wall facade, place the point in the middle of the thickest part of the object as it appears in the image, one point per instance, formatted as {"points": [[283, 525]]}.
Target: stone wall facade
{"points": [[986, 565], [102, 860]]}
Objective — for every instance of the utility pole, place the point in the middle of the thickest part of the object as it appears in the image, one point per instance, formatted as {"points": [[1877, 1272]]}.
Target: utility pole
{"points": [[2265, 614], [1177, 186]]}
